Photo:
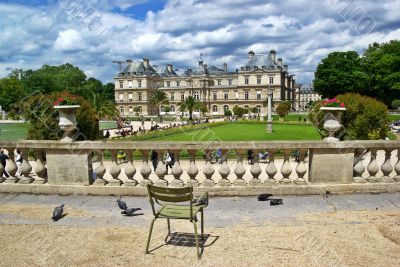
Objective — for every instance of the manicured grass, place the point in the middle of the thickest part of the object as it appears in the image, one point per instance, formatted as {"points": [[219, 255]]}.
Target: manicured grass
{"points": [[12, 131], [394, 117], [107, 125], [246, 132]]}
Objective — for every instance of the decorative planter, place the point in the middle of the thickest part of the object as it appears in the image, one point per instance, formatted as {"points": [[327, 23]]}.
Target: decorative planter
{"points": [[67, 121], [332, 122]]}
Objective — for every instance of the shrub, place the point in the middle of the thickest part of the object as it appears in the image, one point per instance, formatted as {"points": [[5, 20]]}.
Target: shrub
{"points": [[238, 111], [396, 104], [365, 118], [283, 109], [228, 113], [43, 118]]}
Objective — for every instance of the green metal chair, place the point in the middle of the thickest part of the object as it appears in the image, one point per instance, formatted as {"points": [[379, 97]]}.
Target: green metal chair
{"points": [[165, 196]]}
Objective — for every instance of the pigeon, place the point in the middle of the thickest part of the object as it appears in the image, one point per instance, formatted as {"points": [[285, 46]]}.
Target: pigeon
{"points": [[130, 211], [121, 204], [276, 201], [264, 197], [200, 201], [57, 212]]}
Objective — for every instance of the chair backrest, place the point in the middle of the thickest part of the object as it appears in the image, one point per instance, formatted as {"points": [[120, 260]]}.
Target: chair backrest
{"points": [[164, 194]]}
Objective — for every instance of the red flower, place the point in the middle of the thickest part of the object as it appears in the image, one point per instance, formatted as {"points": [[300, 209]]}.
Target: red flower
{"points": [[341, 105]]}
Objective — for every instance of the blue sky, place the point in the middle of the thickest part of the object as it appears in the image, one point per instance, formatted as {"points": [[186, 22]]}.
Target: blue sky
{"points": [[91, 34]]}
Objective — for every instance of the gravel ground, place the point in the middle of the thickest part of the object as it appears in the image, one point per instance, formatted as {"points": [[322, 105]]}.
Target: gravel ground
{"points": [[348, 230]]}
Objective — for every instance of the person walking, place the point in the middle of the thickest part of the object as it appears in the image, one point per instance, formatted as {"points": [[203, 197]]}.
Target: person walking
{"points": [[3, 161], [154, 159], [169, 160]]}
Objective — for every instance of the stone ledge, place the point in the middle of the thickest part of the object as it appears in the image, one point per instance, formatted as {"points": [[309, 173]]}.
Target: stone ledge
{"points": [[314, 189]]}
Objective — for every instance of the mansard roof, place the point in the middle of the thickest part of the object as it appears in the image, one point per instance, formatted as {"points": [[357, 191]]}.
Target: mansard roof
{"points": [[260, 61], [164, 72], [138, 68]]}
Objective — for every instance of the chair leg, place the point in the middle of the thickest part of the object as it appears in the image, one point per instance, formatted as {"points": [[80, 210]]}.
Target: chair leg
{"points": [[169, 227], [197, 239], [148, 238], [202, 223]]}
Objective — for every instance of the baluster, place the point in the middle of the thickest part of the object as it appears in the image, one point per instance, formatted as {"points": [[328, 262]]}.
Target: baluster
{"points": [[301, 168], [373, 168], [397, 167], [239, 169], [161, 170], [2, 179], [145, 171], [192, 170], [130, 170], [224, 170], [25, 168], [271, 168], [11, 169], [100, 170], [387, 167], [176, 170], [359, 167], [115, 170], [286, 169], [208, 170], [255, 170]]}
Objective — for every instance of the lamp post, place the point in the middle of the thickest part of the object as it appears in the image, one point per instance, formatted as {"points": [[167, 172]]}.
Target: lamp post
{"points": [[269, 120]]}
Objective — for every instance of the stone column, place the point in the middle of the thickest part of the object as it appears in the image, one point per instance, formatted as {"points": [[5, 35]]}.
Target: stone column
{"points": [[286, 169], [161, 170], [373, 168], [239, 169], [387, 167], [145, 171], [100, 170], [130, 170], [359, 167], [301, 169], [397, 167], [271, 169], [176, 170], [25, 168], [12, 169], [115, 170], [224, 170], [208, 170], [192, 170], [255, 170]]}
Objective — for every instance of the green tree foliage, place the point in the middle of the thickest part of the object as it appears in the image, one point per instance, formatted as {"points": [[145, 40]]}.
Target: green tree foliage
{"points": [[283, 109], [159, 98], [190, 104], [11, 92], [238, 111], [396, 104], [340, 72], [44, 118], [365, 118], [227, 113]]}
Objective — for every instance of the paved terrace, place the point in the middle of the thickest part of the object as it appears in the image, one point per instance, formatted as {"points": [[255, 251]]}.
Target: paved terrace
{"points": [[325, 230]]}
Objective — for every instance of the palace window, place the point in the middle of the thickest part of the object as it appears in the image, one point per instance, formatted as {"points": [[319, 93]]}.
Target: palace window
{"points": [[258, 108], [258, 95], [172, 108], [246, 80], [246, 106], [130, 97], [196, 95], [172, 96], [215, 108], [121, 110], [226, 107], [168, 84], [230, 82], [140, 109], [121, 85], [225, 95], [121, 97], [271, 79], [258, 79], [129, 84], [130, 110], [214, 96], [178, 83], [140, 96], [246, 95], [182, 96], [219, 82], [139, 83]]}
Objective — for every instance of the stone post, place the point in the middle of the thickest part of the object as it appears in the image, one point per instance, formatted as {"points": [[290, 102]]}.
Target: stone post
{"points": [[145, 171], [192, 170], [130, 170], [25, 168]]}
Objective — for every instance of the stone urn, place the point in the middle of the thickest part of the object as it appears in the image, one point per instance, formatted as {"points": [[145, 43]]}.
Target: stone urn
{"points": [[332, 121], [67, 120]]}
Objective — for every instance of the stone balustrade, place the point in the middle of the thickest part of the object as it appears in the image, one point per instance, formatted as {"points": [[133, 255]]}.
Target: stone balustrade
{"points": [[77, 163]]}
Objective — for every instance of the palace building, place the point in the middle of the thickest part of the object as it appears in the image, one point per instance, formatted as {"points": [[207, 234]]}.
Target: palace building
{"points": [[217, 87]]}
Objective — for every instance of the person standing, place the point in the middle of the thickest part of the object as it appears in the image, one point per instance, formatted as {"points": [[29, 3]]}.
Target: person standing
{"points": [[154, 159], [3, 161], [169, 160]]}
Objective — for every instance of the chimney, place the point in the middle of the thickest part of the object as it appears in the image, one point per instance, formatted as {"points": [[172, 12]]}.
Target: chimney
{"points": [[200, 62], [280, 62], [169, 68], [226, 68], [205, 66], [273, 54], [285, 67], [251, 54], [146, 62]]}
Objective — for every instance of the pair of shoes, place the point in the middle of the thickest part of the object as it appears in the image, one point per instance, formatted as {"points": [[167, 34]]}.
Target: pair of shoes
{"points": [[264, 197], [276, 201]]}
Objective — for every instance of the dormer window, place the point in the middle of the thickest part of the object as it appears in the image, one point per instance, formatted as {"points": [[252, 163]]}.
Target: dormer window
{"points": [[178, 83], [168, 84]]}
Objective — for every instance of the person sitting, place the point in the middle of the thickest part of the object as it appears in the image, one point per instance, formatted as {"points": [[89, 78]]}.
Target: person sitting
{"points": [[106, 135], [250, 156]]}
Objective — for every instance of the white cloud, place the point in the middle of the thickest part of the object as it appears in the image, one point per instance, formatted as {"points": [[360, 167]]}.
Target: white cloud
{"points": [[69, 40]]}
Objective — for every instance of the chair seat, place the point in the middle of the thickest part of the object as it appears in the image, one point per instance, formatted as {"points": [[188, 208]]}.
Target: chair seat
{"points": [[178, 211]]}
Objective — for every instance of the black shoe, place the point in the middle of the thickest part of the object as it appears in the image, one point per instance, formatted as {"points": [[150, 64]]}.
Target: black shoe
{"points": [[276, 201], [264, 197]]}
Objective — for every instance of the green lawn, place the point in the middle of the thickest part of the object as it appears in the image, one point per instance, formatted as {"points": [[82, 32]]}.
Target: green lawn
{"points": [[246, 132]]}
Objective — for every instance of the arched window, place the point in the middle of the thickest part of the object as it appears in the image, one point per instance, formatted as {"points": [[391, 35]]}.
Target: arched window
{"points": [[140, 109], [215, 108], [226, 107], [258, 109], [130, 110], [172, 108]]}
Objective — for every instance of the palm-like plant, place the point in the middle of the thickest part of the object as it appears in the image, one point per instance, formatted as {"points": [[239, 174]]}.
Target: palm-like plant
{"points": [[105, 108], [190, 104], [157, 99]]}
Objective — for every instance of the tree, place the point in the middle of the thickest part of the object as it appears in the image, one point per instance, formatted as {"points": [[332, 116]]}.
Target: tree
{"points": [[238, 111], [254, 110], [105, 108], [159, 98], [167, 109], [11, 92], [203, 109], [282, 109], [396, 104], [189, 104], [339, 73]]}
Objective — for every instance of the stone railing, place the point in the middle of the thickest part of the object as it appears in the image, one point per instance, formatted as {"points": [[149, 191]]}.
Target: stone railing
{"points": [[77, 163]]}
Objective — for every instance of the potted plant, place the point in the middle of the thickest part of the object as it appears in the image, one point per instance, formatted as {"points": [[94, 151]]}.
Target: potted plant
{"points": [[66, 106], [333, 110]]}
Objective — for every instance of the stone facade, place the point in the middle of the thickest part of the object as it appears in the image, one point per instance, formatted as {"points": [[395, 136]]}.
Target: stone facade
{"points": [[305, 95], [215, 86]]}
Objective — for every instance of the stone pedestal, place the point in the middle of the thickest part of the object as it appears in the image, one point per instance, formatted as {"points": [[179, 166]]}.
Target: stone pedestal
{"points": [[67, 167], [331, 165]]}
